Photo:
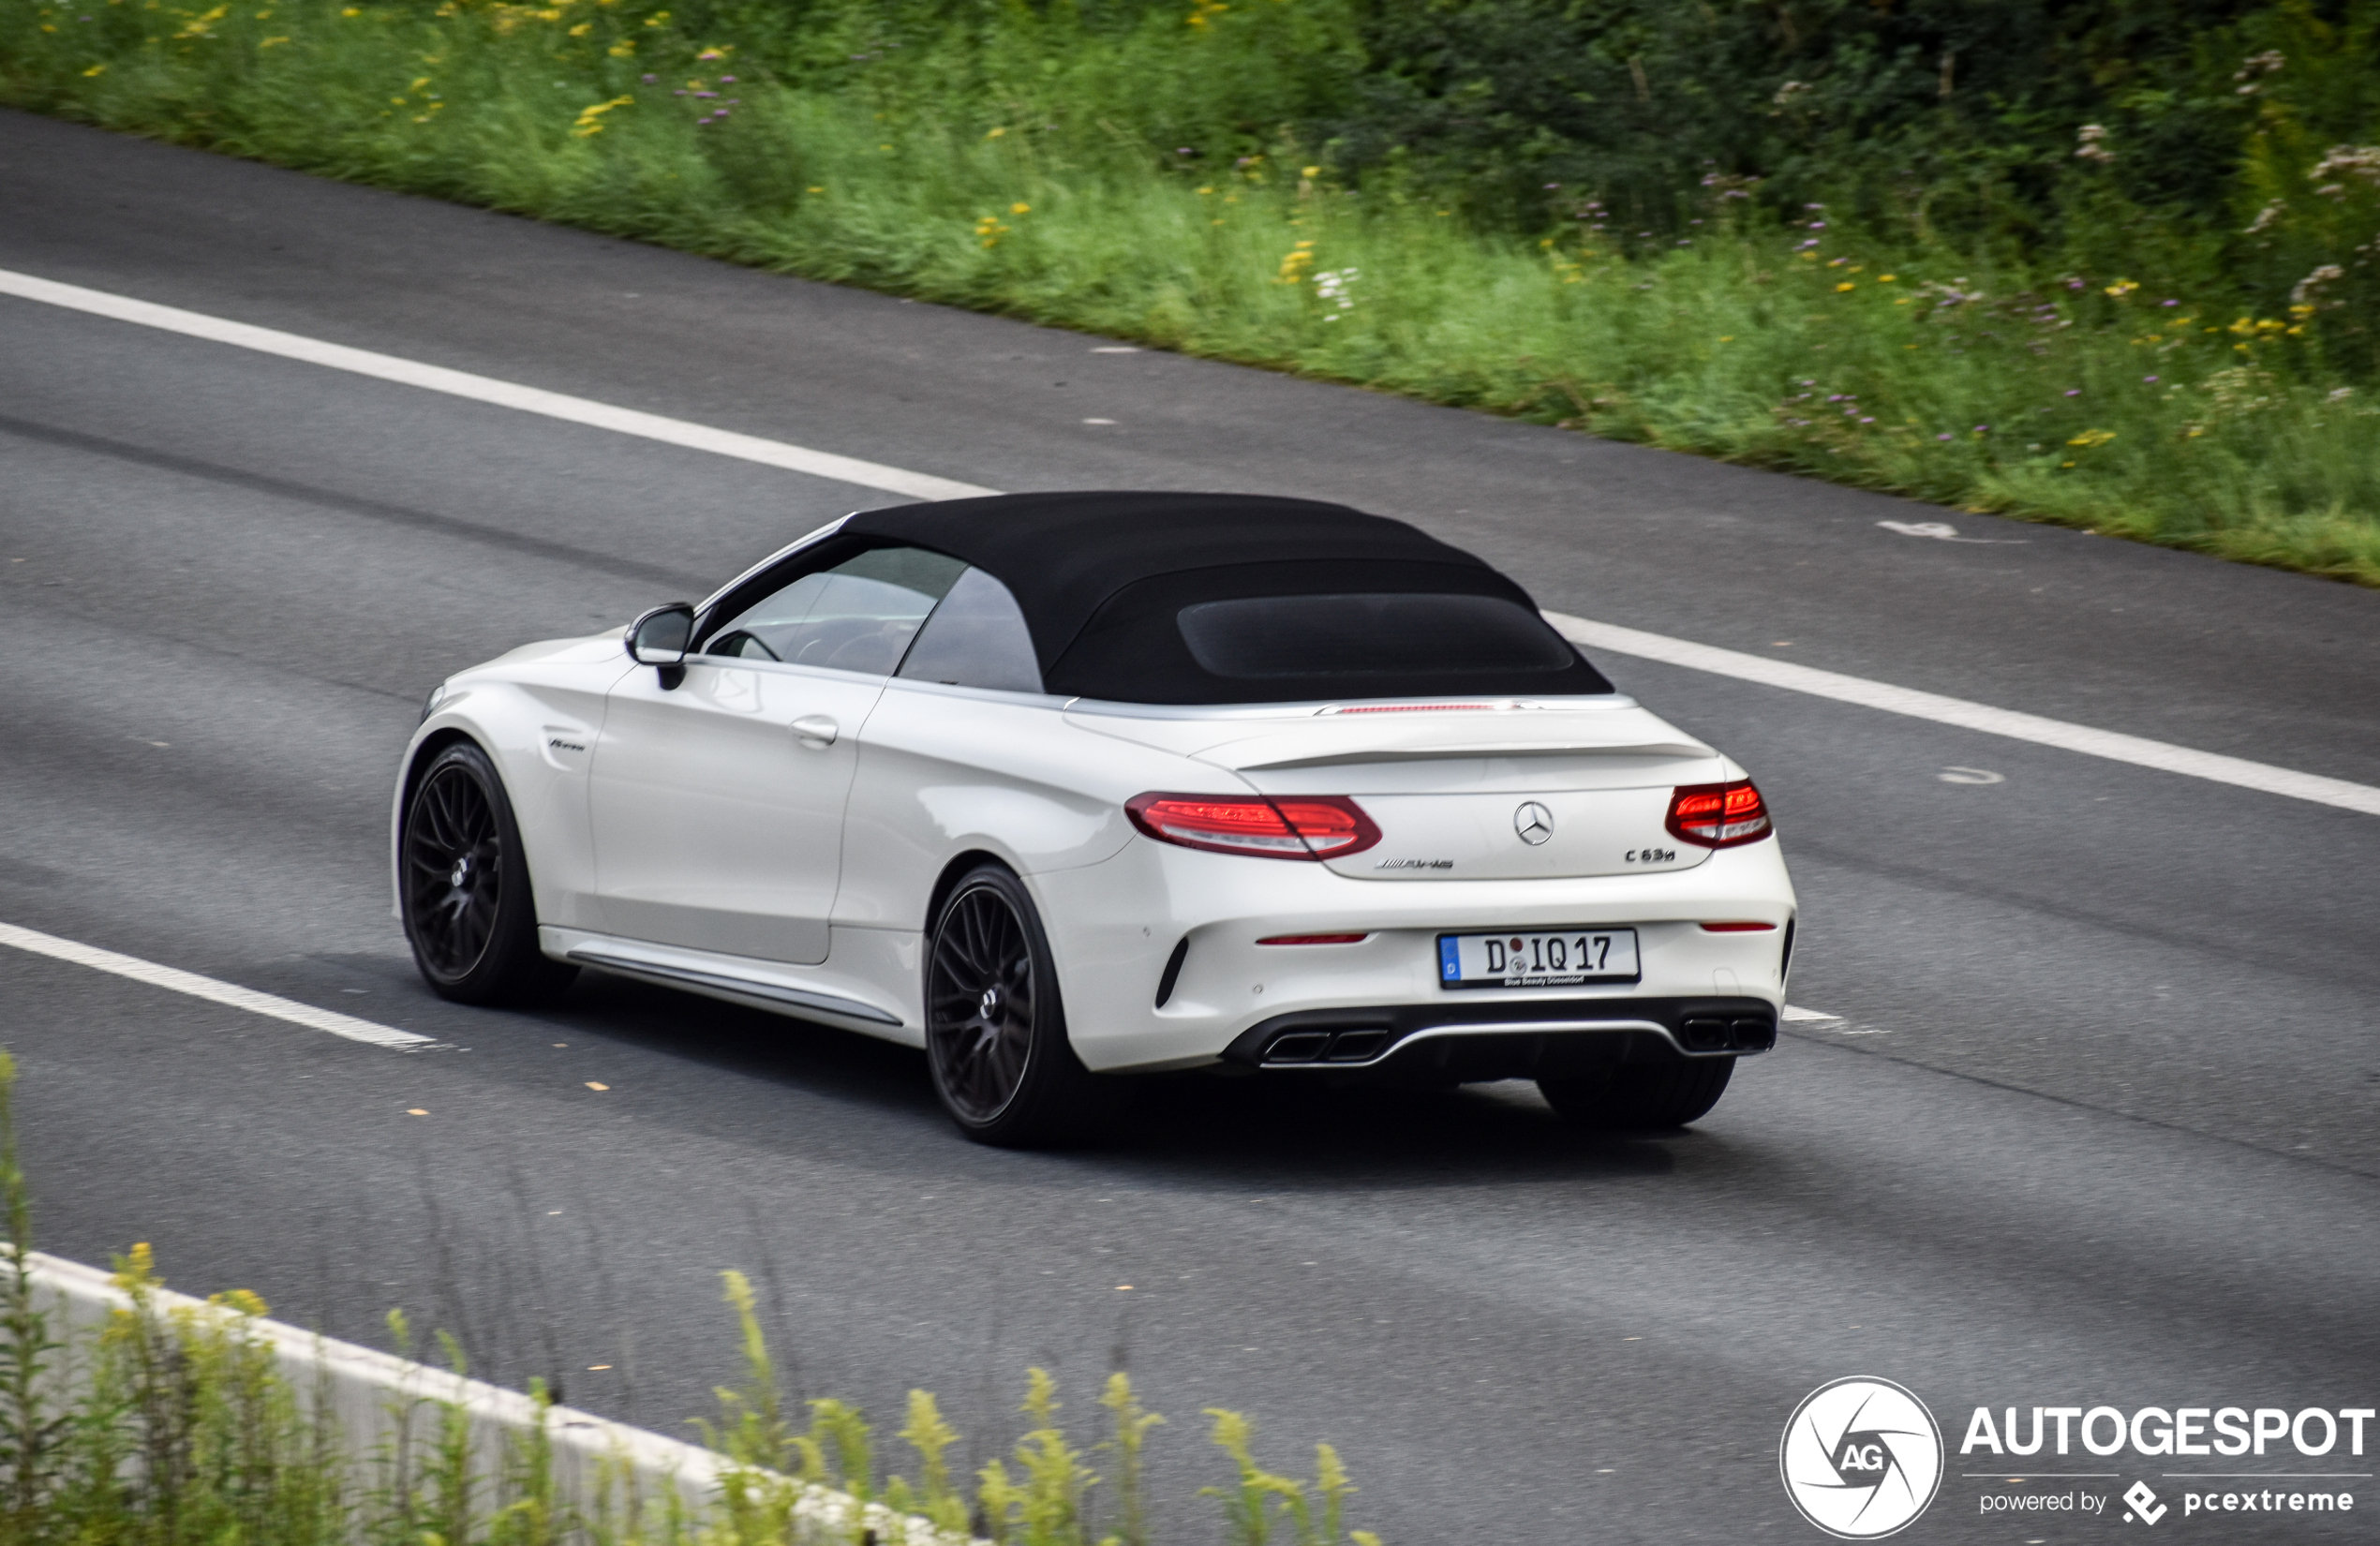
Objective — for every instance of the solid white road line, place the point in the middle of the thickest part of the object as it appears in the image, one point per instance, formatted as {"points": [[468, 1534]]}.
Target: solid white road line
{"points": [[2110, 744], [485, 389], [1626, 641], [174, 980]]}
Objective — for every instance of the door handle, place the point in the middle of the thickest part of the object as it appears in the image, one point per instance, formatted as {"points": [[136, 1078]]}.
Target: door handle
{"points": [[816, 731]]}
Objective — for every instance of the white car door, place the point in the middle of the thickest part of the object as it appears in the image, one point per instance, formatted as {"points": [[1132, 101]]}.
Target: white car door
{"points": [[717, 802]]}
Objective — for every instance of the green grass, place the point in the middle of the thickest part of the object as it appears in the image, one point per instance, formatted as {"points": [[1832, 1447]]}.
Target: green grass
{"points": [[172, 1423], [1020, 184]]}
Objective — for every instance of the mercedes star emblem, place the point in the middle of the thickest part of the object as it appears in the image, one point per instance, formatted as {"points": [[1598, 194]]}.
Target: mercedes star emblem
{"points": [[1533, 823]]}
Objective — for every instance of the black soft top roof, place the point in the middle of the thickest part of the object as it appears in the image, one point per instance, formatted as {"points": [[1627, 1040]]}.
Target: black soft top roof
{"points": [[1100, 577]]}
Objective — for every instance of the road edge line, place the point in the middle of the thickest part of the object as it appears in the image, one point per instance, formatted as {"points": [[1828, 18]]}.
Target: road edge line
{"points": [[2112, 745], [487, 389]]}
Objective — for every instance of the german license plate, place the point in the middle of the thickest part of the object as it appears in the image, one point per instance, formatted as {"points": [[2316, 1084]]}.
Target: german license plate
{"points": [[1537, 958]]}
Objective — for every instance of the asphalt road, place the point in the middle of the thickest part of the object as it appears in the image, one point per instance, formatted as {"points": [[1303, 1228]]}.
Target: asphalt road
{"points": [[2101, 1121]]}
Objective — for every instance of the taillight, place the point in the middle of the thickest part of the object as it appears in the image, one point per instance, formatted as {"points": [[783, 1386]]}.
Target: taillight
{"points": [[1719, 815], [1302, 826]]}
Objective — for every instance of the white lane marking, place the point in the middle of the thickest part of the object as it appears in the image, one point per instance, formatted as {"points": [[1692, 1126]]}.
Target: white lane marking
{"points": [[1627, 640], [178, 981], [1955, 774], [486, 388], [2115, 746], [1795, 1012], [1943, 531]]}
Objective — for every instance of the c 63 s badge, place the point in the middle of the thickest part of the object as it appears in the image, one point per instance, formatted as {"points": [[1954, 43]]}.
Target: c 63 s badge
{"points": [[1861, 1458]]}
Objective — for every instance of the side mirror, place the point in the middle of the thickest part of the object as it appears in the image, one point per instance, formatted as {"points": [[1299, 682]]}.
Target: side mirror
{"points": [[660, 637]]}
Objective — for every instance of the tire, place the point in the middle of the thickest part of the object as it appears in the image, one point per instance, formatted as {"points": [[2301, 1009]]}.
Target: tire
{"points": [[469, 914], [1641, 1097], [995, 1026]]}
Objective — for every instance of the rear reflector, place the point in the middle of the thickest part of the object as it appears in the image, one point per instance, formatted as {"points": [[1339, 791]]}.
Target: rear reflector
{"points": [[1719, 815], [1737, 928], [1314, 939], [1301, 826], [1406, 708]]}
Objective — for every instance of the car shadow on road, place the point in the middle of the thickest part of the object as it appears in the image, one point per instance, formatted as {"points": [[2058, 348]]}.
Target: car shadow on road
{"points": [[1196, 1130]]}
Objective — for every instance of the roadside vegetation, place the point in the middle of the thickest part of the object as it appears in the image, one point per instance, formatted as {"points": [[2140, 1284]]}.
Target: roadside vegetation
{"points": [[173, 1424], [2107, 265]]}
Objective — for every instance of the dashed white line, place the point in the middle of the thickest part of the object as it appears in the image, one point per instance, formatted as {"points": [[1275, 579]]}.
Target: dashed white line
{"points": [[486, 388], [2112, 745], [175, 980]]}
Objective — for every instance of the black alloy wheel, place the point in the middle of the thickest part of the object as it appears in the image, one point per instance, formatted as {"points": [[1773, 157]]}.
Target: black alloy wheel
{"points": [[469, 912], [1642, 1096], [995, 1032]]}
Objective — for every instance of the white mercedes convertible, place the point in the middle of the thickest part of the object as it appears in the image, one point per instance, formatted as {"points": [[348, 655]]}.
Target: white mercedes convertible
{"points": [[1067, 787]]}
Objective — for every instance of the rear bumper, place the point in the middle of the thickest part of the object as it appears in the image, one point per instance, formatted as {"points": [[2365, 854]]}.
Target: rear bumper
{"points": [[1543, 1038]]}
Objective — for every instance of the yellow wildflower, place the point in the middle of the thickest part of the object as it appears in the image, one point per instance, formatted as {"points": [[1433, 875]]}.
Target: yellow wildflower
{"points": [[590, 120]]}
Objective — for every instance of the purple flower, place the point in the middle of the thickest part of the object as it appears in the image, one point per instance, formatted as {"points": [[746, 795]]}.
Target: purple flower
{"points": [[1834, 397], [2169, 302], [2073, 392], [2148, 378], [1869, 420], [726, 79], [1983, 429], [1813, 206], [2074, 284], [651, 79], [1550, 186], [1942, 437], [679, 93], [1818, 225], [707, 93]]}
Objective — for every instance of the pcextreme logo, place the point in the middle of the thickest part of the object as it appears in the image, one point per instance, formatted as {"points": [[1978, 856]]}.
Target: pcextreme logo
{"points": [[1861, 1458]]}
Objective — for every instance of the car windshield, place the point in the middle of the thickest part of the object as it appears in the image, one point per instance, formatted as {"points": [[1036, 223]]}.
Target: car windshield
{"points": [[1370, 636], [859, 615]]}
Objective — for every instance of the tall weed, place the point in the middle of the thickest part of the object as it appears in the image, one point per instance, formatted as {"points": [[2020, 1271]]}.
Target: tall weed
{"points": [[1009, 159], [172, 1424]]}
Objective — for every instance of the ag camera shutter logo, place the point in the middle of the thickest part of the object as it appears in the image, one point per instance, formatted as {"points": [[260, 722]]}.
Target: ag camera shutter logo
{"points": [[1861, 1458]]}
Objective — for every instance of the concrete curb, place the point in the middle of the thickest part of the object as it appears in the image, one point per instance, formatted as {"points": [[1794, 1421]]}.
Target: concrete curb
{"points": [[378, 1400]]}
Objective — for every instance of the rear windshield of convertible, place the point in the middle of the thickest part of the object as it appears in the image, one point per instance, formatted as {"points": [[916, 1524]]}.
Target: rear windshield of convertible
{"points": [[1300, 633], [1363, 636]]}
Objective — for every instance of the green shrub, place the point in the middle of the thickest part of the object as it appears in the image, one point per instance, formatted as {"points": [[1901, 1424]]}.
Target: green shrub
{"points": [[2099, 352]]}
